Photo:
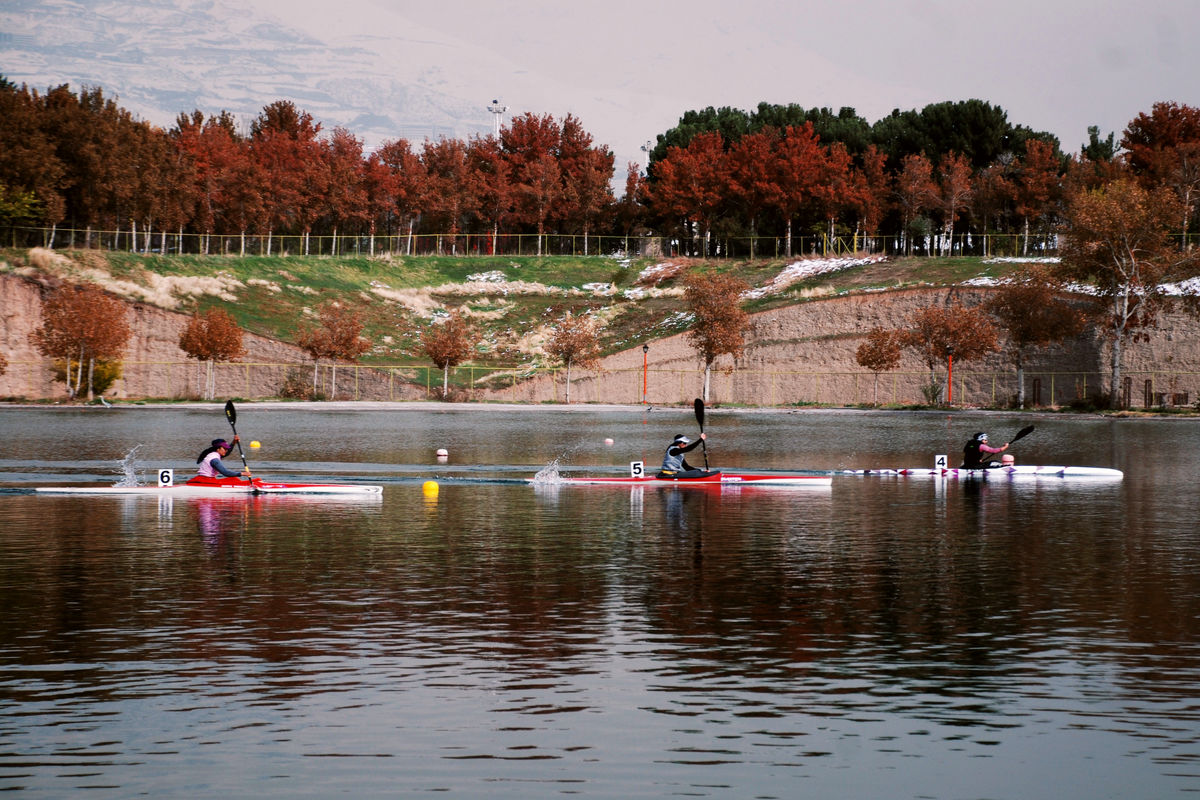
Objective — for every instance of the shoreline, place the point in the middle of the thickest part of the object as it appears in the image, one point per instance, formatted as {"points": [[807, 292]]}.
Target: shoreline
{"points": [[432, 406]]}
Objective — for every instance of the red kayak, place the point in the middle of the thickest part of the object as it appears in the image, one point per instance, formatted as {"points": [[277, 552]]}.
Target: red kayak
{"points": [[709, 478], [218, 487]]}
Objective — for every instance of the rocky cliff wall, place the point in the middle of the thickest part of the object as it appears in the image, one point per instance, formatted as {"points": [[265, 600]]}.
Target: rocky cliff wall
{"points": [[802, 353]]}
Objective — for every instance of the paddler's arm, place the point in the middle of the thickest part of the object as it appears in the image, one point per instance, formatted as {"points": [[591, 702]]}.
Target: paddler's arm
{"points": [[220, 467], [694, 444]]}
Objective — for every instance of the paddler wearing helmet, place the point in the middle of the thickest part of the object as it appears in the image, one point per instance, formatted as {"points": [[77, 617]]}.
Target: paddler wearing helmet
{"points": [[210, 461], [674, 464], [976, 450]]}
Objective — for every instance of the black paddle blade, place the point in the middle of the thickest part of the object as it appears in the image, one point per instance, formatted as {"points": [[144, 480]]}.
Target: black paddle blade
{"points": [[699, 406], [1021, 434], [230, 412]]}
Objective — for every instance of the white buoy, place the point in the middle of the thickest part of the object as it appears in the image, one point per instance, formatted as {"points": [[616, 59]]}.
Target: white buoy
{"points": [[443, 452], [608, 441]]}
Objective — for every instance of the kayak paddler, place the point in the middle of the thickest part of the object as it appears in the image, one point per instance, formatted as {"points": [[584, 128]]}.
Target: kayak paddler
{"points": [[674, 464], [976, 450], [210, 462]]}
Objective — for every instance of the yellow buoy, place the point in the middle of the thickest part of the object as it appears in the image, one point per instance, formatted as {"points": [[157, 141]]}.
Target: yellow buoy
{"points": [[430, 488], [255, 444]]}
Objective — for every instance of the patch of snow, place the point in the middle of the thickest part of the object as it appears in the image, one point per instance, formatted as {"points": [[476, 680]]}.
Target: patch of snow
{"points": [[1022, 260], [495, 276], [1189, 287], [808, 268]]}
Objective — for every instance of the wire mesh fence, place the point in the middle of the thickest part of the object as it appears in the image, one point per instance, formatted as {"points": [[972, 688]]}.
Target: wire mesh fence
{"points": [[531, 383]]}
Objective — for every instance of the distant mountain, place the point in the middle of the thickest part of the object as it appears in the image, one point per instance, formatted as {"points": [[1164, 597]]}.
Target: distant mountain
{"points": [[160, 58]]}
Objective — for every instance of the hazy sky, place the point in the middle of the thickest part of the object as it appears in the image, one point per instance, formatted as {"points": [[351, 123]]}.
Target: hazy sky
{"points": [[629, 68]]}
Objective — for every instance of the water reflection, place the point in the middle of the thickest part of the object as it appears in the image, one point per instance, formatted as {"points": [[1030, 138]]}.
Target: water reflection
{"points": [[504, 640]]}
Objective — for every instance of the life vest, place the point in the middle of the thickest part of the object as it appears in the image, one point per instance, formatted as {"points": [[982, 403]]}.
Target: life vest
{"points": [[673, 460], [207, 470], [972, 457]]}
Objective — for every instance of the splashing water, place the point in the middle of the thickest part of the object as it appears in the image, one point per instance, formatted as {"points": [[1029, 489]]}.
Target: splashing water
{"points": [[128, 469], [548, 473]]}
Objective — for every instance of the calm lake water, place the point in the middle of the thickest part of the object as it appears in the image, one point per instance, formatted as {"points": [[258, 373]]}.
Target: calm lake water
{"points": [[879, 638]]}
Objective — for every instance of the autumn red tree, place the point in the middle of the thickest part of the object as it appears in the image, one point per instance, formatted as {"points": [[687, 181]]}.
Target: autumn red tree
{"points": [[752, 174], [587, 172], [691, 183], [1163, 147], [916, 192], [1038, 186], [289, 156], [491, 175], [720, 323], [631, 208], [872, 191], [834, 191], [954, 193], [211, 337], [448, 343], [1031, 309], [223, 198], [573, 342], [343, 203], [81, 323], [1117, 239], [936, 333], [401, 195], [338, 338], [799, 164], [449, 197], [880, 353], [531, 144]]}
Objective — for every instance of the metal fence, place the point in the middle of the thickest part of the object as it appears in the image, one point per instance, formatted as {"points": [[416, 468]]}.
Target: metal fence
{"points": [[512, 244], [530, 383]]}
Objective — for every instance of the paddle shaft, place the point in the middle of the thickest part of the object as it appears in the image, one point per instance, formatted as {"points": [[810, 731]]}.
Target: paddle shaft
{"points": [[231, 415], [699, 407]]}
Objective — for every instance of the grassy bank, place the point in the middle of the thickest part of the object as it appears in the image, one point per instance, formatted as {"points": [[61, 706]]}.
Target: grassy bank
{"points": [[509, 300]]}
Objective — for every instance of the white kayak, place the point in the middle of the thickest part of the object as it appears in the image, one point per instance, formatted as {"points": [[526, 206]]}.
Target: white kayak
{"points": [[1002, 473], [229, 487]]}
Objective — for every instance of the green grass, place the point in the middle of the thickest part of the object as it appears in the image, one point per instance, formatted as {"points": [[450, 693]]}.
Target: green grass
{"points": [[280, 292]]}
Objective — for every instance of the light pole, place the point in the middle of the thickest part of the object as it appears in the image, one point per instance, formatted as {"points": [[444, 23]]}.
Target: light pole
{"points": [[497, 109], [645, 368], [950, 375]]}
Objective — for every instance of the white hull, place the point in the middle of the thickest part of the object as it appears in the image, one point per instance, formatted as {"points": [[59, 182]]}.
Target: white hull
{"points": [[1002, 473]]}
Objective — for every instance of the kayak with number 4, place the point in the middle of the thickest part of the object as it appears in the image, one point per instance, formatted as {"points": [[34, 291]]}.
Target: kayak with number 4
{"points": [[1002, 472]]}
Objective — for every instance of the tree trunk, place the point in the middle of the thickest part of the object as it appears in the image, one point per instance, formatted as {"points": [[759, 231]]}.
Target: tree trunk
{"points": [[707, 379], [333, 382], [568, 381], [91, 374], [1114, 399], [789, 237], [445, 381], [1020, 381], [316, 367]]}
